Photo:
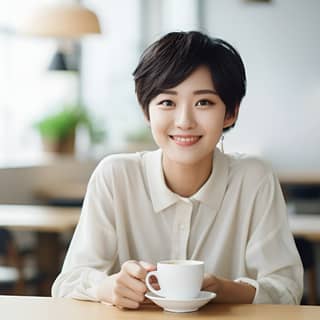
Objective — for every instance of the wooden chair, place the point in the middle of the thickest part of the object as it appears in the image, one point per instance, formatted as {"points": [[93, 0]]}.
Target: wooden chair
{"points": [[11, 270], [307, 255]]}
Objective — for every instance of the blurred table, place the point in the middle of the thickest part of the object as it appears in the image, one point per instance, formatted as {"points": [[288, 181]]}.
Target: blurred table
{"points": [[47, 222], [44, 219], [27, 308], [303, 189], [306, 226], [57, 194], [299, 178]]}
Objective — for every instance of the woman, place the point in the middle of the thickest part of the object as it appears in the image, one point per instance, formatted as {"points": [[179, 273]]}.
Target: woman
{"points": [[187, 200]]}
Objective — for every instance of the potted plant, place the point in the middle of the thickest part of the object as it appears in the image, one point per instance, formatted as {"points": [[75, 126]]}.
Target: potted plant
{"points": [[140, 139], [58, 130]]}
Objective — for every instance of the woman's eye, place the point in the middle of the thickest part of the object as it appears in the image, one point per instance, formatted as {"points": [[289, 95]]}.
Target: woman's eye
{"points": [[167, 103], [204, 103]]}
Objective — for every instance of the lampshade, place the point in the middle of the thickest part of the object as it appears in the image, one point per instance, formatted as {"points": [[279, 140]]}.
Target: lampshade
{"points": [[61, 21]]}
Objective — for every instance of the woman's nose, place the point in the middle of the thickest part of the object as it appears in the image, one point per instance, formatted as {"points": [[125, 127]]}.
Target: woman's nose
{"points": [[185, 119]]}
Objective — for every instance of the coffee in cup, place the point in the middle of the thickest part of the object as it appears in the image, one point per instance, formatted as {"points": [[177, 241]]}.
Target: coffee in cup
{"points": [[178, 279]]}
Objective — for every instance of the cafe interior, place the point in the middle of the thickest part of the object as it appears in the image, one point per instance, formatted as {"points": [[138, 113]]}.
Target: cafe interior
{"points": [[67, 100]]}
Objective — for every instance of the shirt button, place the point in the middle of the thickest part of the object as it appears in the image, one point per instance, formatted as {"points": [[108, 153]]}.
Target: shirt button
{"points": [[181, 227]]}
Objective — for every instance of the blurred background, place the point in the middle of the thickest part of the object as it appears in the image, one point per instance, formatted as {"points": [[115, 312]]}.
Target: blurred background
{"points": [[67, 100]]}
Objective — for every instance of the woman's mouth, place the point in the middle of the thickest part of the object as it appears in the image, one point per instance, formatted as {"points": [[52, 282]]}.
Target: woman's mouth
{"points": [[185, 140]]}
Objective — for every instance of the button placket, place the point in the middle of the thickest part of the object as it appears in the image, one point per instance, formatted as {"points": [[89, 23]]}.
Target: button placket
{"points": [[181, 229], [184, 229], [175, 235]]}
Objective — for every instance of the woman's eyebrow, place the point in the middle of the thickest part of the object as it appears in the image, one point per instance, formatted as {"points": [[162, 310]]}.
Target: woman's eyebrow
{"points": [[202, 91], [205, 91]]}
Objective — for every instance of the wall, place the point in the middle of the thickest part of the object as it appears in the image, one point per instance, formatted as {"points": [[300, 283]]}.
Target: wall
{"points": [[279, 43], [107, 65]]}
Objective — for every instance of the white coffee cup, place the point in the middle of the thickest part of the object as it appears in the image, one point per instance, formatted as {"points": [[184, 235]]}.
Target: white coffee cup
{"points": [[178, 279]]}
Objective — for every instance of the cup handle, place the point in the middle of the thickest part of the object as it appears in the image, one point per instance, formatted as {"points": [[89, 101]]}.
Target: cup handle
{"points": [[149, 286]]}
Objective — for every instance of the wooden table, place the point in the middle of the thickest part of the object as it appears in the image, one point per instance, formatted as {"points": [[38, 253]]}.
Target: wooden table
{"points": [[44, 219], [299, 178], [306, 226], [47, 222], [34, 308]]}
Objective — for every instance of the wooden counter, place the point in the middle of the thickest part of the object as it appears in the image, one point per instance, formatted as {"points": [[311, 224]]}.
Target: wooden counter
{"points": [[36, 308]]}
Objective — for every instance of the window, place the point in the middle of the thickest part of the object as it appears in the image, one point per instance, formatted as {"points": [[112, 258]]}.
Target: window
{"points": [[28, 90]]}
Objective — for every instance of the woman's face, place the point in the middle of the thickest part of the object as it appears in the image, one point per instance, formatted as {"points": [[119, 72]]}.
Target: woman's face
{"points": [[187, 120]]}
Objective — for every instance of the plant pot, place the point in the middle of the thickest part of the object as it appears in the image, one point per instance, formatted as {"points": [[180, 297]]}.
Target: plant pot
{"points": [[61, 146]]}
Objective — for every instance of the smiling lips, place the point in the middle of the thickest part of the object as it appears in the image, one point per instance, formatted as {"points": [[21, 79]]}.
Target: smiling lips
{"points": [[185, 141]]}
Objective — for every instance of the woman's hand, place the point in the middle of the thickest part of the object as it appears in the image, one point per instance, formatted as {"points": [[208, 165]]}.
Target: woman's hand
{"points": [[228, 291], [126, 289], [211, 283]]}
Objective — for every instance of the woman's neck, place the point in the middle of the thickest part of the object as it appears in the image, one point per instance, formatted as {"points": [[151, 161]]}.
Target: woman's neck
{"points": [[183, 179]]}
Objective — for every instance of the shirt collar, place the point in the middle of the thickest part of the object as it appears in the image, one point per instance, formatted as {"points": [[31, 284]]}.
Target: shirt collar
{"points": [[161, 196], [210, 194]]}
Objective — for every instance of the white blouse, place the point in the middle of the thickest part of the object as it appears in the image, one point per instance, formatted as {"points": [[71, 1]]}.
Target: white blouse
{"points": [[236, 223]]}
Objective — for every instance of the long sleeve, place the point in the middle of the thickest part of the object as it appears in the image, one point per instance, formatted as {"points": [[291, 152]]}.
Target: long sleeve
{"points": [[272, 258], [93, 248]]}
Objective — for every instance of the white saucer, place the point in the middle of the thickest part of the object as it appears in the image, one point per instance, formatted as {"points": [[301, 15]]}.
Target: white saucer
{"points": [[181, 305]]}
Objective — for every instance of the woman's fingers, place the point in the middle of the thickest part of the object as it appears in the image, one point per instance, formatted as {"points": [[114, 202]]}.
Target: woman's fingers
{"points": [[126, 289], [147, 266], [135, 269], [125, 292], [123, 302], [127, 280], [211, 283], [207, 281], [129, 287]]}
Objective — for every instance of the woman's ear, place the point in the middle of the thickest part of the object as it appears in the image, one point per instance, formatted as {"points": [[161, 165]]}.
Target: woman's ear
{"points": [[229, 120], [147, 120]]}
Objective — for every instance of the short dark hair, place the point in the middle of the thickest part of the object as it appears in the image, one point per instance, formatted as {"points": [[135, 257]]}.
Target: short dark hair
{"points": [[170, 60]]}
